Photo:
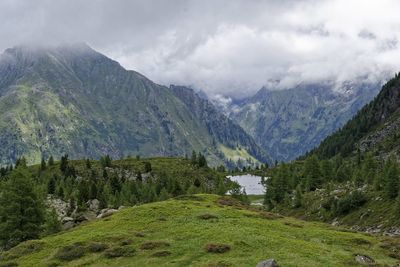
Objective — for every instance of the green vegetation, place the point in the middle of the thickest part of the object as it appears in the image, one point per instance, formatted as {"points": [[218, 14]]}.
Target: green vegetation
{"points": [[126, 182], [239, 237], [370, 118], [352, 177]]}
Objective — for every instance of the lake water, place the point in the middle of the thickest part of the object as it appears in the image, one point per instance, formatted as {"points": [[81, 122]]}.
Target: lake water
{"points": [[251, 183]]}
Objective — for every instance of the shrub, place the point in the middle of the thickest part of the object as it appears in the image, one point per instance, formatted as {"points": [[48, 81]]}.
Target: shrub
{"points": [[126, 242], [154, 244], [163, 253], [71, 252], [350, 202], [116, 252], [139, 234], [207, 216], [217, 248], [8, 264], [23, 249], [97, 247]]}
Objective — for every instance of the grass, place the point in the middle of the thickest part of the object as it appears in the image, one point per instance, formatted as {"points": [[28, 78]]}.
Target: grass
{"points": [[183, 238], [236, 154]]}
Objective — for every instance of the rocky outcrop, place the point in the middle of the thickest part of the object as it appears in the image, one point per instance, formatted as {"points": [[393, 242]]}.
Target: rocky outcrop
{"points": [[70, 219]]}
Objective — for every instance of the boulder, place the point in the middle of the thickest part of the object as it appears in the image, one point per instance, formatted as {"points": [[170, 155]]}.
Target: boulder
{"points": [[93, 205], [68, 225], [268, 263], [67, 219], [86, 216], [364, 259], [106, 212]]}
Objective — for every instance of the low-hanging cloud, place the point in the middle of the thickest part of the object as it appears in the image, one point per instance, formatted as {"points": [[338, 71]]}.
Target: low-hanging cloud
{"points": [[223, 47]]}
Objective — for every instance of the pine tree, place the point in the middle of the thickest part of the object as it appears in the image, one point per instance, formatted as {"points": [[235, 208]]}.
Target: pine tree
{"points": [[147, 167], [326, 170], [312, 173], [105, 161], [298, 197], [202, 162], [115, 184], [392, 181], [64, 164], [51, 161], [369, 167], [193, 159], [93, 190], [221, 188], [21, 210], [43, 165], [21, 162], [51, 185], [52, 224], [88, 164]]}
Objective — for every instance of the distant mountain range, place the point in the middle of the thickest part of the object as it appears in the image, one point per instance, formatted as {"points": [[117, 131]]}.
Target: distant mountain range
{"points": [[288, 123], [71, 99]]}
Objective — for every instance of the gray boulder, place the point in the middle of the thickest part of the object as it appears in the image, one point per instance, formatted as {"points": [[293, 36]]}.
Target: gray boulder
{"points": [[106, 212], [68, 225], [67, 219], [93, 205], [364, 259], [268, 263]]}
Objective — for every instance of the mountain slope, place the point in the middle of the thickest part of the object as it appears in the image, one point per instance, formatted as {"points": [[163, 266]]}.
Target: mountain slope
{"points": [[375, 127], [176, 233], [288, 123], [217, 123], [71, 99]]}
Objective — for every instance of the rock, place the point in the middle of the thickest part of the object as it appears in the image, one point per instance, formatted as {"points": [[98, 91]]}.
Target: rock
{"points": [[106, 212], [364, 259], [59, 205], [86, 216], [68, 225], [93, 205], [268, 263], [335, 222], [67, 219]]}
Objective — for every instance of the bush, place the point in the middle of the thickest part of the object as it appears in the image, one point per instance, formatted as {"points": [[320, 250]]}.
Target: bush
{"points": [[207, 216], [97, 247], [350, 202], [163, 253], [154, 244], [116, 252], [217, 248], [139, 234], [8, 264], [25, 248], [72, 252]]}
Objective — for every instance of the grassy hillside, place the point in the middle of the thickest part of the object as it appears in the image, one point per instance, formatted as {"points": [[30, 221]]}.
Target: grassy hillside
{"points": [[179, 232]]}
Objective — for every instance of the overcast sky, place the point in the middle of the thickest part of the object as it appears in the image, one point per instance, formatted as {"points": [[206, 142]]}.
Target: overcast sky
{"points": [[222, 47]]}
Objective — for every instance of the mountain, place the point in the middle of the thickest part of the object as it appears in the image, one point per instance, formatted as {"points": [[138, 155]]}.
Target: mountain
{"points": [[72, 99], [375, 128], [288, 123]]}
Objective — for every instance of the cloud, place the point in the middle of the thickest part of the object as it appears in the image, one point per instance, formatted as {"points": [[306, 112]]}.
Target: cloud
{"points": [[223, 47]]}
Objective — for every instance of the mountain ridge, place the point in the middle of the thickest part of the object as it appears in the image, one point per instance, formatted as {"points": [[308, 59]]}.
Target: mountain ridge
{"points": [[288, 123], [72, 99]]}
